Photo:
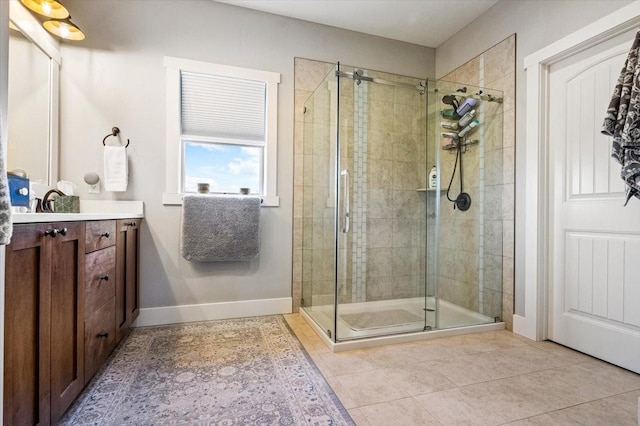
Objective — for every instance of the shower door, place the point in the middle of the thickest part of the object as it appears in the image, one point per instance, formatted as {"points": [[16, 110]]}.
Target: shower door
{"points": [[319, 204], [382, 206]]}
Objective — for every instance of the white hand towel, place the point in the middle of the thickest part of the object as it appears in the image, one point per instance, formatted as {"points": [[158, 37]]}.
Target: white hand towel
{"points": [[116, 173]]}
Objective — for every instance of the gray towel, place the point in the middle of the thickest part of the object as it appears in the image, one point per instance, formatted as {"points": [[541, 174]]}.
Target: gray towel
{"points": [[623, 122], [218, 228]]}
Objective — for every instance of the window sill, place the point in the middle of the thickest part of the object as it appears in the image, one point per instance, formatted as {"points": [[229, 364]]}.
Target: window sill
{"points": [[173, 199]]}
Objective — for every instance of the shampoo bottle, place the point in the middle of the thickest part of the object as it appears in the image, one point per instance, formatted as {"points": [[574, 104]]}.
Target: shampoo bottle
{"points": [[433, 178], [464, 132], [449, 126], [466, 106], [449, 114], [466, 119]]}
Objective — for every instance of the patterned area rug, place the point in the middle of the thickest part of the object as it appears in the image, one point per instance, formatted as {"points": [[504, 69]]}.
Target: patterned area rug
{"points": [[232, 372], [379, 319]]}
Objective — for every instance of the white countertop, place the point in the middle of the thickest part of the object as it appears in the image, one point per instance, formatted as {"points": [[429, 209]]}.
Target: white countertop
{"points": [[89, 210]]}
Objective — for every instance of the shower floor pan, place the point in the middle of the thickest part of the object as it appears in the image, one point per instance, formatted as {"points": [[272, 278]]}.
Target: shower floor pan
{"points": [[393, 321]]}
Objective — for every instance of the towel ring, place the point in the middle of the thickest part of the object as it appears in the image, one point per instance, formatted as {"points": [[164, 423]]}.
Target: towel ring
{"points": [[114, 132]]}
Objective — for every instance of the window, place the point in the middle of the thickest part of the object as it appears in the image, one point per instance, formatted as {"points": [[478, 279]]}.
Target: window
{"points": [[221, 130]]}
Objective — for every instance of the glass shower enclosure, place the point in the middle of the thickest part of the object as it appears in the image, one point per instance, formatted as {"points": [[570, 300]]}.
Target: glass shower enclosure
{"points": [[375, 224]]}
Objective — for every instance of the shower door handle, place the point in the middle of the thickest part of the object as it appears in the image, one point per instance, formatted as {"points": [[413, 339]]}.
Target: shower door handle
{"points": [[345, 198]]}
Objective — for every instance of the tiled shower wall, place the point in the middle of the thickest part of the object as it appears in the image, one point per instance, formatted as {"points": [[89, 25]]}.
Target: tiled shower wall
{"points": [[396, 222], [476, 250]]}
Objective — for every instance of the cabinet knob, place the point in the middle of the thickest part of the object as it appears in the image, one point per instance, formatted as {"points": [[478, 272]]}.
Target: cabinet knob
{"points": [[51, 233], [106, 235], [104, 278], [103, 335], [54, 232]]}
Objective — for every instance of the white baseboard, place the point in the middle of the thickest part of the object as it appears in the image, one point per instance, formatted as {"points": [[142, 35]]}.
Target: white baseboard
{"points": [[523, 327], [212, 311]]}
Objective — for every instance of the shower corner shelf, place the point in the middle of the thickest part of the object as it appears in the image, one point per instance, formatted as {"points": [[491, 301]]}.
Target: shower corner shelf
{"points": [[430, 190]]}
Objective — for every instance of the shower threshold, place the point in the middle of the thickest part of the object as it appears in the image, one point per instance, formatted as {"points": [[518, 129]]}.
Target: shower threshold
{"points": [[355, 334]]}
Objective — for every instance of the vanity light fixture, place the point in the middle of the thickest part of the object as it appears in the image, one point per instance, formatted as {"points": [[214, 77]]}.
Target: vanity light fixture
{"points": [[48, 8], [64, 29], [57, 19]]}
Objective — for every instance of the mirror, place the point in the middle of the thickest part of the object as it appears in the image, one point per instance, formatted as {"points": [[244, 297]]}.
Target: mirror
{"points": [[28, 108], [32, 99]]}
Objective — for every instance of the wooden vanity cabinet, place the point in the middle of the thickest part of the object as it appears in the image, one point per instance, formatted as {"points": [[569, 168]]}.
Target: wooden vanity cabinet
{"points": [[43, 329], [128, 273], [71, 294]]}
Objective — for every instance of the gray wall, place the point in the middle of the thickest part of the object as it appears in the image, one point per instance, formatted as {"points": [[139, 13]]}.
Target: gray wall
{"points": [[536, 24], [116, 78]]}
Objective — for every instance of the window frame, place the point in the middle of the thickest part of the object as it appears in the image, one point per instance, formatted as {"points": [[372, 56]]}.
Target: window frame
{"points": [[174, 144]]}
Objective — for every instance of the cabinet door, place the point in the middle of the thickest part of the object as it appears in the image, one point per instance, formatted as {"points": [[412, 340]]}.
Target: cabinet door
{"points": [[67, 316], [133, 270], [26, 328], [127, 275]]}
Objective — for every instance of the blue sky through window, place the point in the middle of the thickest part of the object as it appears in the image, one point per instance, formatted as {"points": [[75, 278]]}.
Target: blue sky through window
{"points": [[226, 168]]}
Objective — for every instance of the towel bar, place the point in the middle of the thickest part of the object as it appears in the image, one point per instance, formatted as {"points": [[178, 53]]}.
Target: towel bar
{"points": [[114, 132]]}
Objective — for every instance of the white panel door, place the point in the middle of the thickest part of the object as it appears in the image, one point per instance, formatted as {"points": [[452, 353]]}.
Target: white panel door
{"points": [[594, 242]]}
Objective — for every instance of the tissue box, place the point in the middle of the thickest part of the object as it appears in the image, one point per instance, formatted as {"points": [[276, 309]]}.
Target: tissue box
{"points": [[66, 204]]}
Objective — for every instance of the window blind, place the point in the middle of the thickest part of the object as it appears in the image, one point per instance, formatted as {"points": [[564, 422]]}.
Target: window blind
{"points": [[221, 107]]}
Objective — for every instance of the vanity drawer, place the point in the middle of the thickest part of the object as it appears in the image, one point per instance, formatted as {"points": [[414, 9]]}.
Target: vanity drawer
{"points": [[99, 338], [99, 279], [100, 234]]}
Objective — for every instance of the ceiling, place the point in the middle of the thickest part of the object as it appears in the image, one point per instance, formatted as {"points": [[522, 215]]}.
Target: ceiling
{"points": [[424, 22]]}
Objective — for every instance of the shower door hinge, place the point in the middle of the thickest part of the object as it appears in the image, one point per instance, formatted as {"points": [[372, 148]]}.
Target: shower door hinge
{"points": [[497, 319], [426, 328], [329, 333]]}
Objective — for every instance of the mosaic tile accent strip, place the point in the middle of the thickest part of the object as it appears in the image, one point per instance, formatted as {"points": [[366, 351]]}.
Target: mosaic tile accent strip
{"points": [[230, 372], [481, 190], [359, 191]]}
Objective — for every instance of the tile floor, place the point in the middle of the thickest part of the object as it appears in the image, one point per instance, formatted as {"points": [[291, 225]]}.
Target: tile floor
{"points": [[491, 378]]}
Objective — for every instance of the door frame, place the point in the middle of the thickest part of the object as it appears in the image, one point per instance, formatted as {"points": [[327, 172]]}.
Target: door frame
{"points": [[533, 252]]}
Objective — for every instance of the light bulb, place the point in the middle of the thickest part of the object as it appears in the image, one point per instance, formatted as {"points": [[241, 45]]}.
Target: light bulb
{"points": [[64, 29], [50, 8], [46, 8]]}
